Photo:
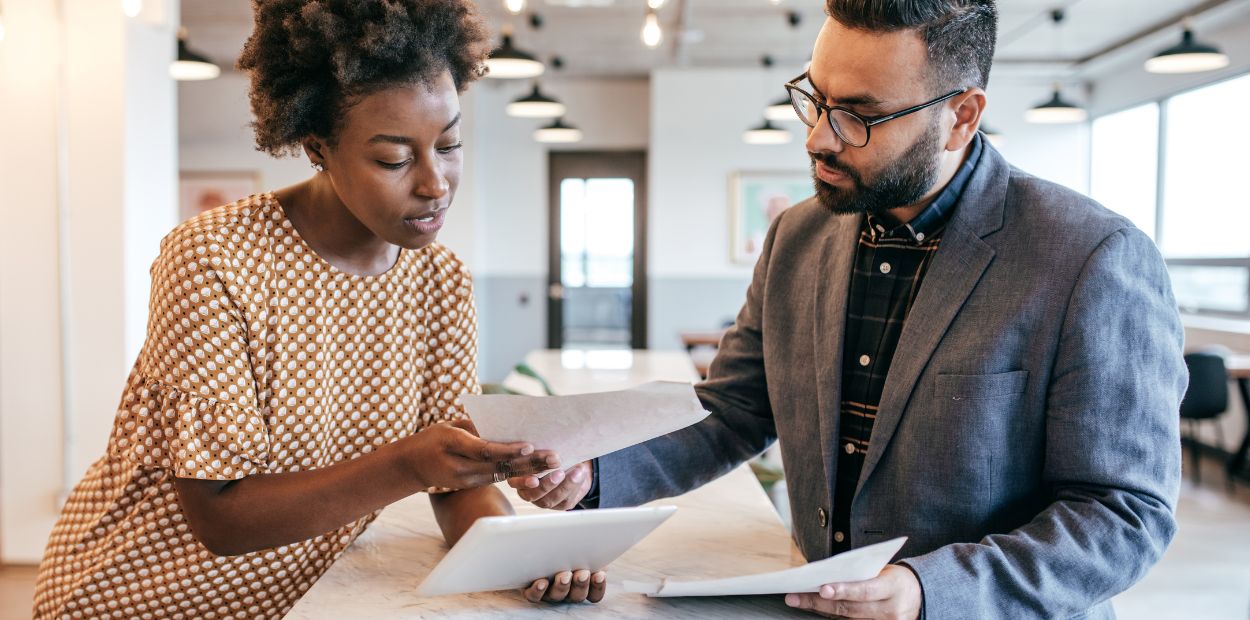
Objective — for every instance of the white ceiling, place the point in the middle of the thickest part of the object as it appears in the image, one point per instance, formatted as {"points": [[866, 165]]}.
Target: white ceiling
{"points": [[601, 37]]}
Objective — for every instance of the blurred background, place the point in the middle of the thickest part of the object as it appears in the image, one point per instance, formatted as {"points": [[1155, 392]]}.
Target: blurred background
{"points": [[621, 166]]}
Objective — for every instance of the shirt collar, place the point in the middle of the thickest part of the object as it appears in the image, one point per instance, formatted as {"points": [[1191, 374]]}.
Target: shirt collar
{"points": [[934, 216]]}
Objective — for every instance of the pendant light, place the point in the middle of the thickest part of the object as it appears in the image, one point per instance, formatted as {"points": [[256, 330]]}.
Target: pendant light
{"points": [[514, 6], [1189, 56], [781, 110], [652, 35], [558, 133], [1056, 110], [191, 65], [766, 133], [507, 62], [535, 105]]}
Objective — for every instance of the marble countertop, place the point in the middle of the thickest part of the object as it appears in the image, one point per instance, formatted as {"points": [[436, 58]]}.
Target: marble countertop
{"points": [[724, 529]]}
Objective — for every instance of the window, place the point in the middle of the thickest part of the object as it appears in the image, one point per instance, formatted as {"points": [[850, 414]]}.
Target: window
{"points": [[1124, 164], [1198, 217]]}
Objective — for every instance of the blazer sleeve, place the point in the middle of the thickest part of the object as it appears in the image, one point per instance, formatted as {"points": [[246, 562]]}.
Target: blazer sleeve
{"points": [[1112, 455], [739, 427]]}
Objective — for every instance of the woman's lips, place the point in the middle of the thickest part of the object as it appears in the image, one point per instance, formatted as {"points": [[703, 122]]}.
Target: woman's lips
{"points": [[429, 226]]}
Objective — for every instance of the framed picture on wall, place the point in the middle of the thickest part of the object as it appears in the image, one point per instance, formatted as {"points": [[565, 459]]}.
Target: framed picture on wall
{"points": [[201, 190], [755, 200]]}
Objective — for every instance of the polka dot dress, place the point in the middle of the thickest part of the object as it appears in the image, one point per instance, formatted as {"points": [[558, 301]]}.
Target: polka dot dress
{"points": [[260, 358]]}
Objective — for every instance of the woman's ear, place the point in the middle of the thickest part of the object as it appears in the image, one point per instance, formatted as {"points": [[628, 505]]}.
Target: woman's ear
{"points": [[314, 148]]}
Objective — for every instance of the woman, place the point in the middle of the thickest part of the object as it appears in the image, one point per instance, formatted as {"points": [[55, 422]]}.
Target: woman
{"points": [[306, 348]]}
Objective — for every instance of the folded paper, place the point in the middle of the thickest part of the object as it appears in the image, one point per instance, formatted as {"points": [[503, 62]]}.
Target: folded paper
{"points": [[855, 565]]}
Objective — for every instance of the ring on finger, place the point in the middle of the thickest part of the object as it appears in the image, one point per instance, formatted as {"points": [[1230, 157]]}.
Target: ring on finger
{"points": [[498, 477]]}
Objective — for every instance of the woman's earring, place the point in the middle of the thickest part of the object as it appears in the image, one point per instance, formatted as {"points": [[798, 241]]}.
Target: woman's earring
{"points": [[318, 167]]}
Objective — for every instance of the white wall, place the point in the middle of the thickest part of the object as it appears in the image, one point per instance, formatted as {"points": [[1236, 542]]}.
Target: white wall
{"points": [[86, 116]]}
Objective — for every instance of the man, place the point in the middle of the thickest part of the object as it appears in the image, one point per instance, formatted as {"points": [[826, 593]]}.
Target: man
{"points": [[947, 348]]}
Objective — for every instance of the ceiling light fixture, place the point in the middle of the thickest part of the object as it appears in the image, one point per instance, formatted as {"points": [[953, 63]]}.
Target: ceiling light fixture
{"points": [[535, 105], [191, 65], [767, 133], [514, 6], [781, 110], [507, 62], [1056, 110], [558, 133], [655, 4], [1188, 56], [651, 33]]}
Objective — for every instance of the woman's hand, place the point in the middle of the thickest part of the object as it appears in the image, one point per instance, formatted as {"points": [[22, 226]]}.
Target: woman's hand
{"points": [[451, 456], [569, 587]]}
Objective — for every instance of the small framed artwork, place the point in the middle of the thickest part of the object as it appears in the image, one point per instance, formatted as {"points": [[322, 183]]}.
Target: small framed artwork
{"points": [[201, 190], [755, 200]]}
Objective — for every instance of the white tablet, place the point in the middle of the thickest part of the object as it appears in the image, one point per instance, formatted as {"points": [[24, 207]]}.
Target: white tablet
{"points": [[504, 553]]}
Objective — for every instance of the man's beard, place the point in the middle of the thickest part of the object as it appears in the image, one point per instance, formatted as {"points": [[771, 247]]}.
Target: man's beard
{"points": [[902, 182]]}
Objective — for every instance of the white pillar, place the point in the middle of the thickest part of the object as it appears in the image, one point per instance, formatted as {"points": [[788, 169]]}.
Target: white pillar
{"points": [[88, 164]]}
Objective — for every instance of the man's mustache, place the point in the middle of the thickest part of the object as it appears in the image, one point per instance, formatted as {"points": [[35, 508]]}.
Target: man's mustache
{"points": [[830, 161]]}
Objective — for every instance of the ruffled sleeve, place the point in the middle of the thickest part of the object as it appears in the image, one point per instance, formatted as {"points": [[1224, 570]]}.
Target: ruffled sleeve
{"points": [[190, 404]]}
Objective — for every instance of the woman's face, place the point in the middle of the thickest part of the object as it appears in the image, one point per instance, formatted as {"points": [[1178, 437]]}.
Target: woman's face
{"points": [[397, 161]]}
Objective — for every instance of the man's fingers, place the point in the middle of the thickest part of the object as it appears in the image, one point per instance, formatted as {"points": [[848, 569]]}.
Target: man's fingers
{"points": [[535, 592], [559, 589], [864, 591], [837, 609], [598, 587], [534, 463]]}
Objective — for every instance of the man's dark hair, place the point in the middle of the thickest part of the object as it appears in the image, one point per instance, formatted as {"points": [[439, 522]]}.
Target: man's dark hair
{"points": [[309, 60], [960, 34]]}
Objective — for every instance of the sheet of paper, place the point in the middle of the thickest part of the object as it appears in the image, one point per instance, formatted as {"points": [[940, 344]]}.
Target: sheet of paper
{"points": [[855, 565], [585, 426]]}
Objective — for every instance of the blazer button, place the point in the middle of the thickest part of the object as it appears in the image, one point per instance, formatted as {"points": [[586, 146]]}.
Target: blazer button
{"points": [[822, 517]]}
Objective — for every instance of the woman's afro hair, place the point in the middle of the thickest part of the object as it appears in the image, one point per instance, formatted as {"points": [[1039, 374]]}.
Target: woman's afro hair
{"points": [[309, 59]]}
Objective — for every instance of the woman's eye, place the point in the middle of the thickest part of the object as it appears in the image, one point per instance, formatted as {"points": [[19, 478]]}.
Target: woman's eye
{"points": [[393, 166], [450, 148]]}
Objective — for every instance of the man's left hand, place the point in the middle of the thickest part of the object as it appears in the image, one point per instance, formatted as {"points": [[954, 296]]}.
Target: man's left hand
{"points": [[895, 594]]}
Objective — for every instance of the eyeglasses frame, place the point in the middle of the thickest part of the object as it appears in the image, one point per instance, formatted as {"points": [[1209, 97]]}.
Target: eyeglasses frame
{"points": [[868, 121]]}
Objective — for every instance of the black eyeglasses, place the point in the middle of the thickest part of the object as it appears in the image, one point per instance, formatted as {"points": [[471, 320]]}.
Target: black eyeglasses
{"points": [[851, 128]]}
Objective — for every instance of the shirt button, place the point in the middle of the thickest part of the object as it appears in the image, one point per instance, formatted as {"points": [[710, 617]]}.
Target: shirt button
{"points": [[822, 517], [839, 537], [885, 267], [919, 236], [850, 448], [864, 360]]}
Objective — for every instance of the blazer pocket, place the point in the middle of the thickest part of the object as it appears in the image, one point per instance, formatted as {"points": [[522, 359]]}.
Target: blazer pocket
{"points": [[972, 387]]}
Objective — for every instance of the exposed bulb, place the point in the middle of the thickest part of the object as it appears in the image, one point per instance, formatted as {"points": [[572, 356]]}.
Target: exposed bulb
{"points": [[651, 33], [514, 6]]}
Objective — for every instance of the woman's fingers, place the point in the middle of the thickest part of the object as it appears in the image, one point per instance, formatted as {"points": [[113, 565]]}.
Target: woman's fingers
{"points": [[581, 587], [536, 591], [598, 587], [559, 589]]}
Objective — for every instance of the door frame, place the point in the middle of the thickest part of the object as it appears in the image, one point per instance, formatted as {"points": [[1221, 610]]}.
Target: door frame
{"points": [[596, 164]]}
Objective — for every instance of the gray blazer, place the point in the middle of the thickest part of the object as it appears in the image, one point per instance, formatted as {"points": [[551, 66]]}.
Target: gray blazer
{"points": [[1027, 440]]}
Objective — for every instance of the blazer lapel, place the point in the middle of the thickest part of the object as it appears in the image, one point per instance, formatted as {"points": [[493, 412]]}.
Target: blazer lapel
{"points": [[957, 268], [831, 286]]}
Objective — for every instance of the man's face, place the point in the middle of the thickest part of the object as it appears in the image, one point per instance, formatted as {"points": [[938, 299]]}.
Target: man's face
{"points": [[874, 74]]}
